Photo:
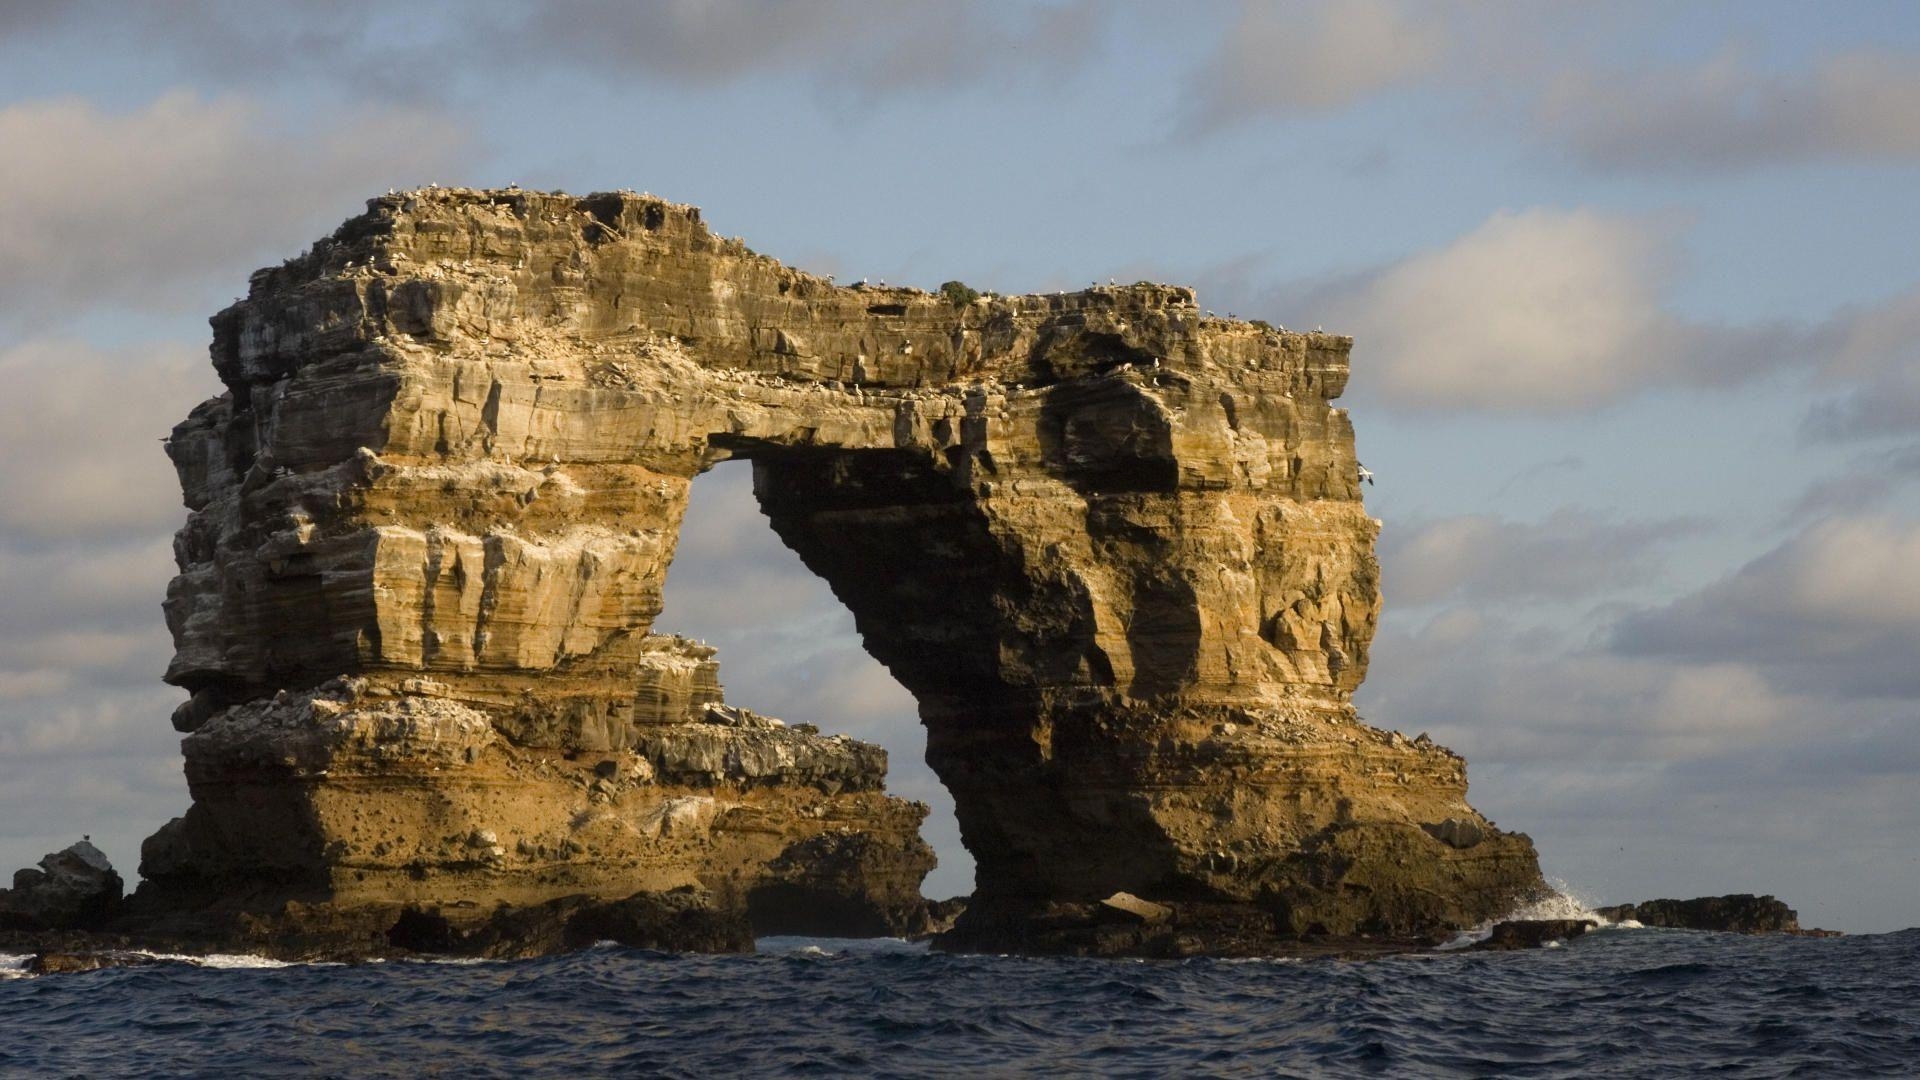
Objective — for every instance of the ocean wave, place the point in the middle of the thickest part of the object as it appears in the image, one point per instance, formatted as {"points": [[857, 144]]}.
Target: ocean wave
{"points": [[1562, 904], [1639, 1004]]}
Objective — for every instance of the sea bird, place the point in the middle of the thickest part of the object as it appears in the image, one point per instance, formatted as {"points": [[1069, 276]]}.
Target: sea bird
{"points": [[1366, 474]]}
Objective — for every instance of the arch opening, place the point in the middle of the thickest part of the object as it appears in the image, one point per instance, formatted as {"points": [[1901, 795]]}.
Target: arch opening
{"points": [[789, 648]]}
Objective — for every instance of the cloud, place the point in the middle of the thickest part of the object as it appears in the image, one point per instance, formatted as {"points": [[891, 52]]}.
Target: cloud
{"points": [[88, 502], [1726, 114], [1543, 310], [1876, 348], [1554, 311], [1283, 60], [368, 50], [1655, 774], [1505, 692], [1833, 610], [914, 44], [80, 429], [154, 207], [1869, 482], [1483, 558]]}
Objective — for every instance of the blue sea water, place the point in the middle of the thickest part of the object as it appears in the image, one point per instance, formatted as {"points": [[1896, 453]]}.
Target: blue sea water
{"points": [[1615, 1003]]}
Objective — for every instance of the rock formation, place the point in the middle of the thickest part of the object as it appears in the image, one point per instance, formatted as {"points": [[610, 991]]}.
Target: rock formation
{"points": [[72, 889], [1113, 546], [1735, 913]]}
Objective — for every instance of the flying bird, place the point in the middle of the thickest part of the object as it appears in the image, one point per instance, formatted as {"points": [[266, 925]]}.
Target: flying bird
{"points": [[1366, 474]]}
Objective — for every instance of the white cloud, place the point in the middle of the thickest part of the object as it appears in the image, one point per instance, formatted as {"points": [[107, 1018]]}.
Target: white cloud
{"points": [[1280, 60], [151, 208], [1725, 113], [1541, 310], [1834, 609], [1571, 554]]}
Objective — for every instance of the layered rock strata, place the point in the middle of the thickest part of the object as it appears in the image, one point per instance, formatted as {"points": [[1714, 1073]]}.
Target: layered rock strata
{"points": [[1114, 547]]}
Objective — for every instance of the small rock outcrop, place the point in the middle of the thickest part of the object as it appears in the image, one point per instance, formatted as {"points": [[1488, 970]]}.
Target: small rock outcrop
{"points": [[75, 888], [1532, 933], [1114, 547], [1735, 913]]}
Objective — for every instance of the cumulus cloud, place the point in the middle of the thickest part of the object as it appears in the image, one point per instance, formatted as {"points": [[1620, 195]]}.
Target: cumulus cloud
{"points": [[1553, 311], [1835, 609], [1484, 558], [1726, 113], [1540, 310], [1280, 60], [154, 206]]}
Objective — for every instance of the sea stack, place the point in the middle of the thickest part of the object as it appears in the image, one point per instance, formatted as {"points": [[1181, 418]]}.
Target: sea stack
{"points": [[1116, 550]]}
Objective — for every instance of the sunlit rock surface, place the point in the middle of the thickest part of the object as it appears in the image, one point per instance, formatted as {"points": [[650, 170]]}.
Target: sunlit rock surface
{"points": [[1115, 548]]}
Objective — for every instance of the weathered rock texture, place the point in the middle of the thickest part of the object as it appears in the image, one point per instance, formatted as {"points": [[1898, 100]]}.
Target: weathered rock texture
{"points": [[1735, 913], [1115, 548], [73, 888]]}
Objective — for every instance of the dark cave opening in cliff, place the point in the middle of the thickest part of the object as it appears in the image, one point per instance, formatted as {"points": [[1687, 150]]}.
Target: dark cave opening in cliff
{"points": [[788, 648]]}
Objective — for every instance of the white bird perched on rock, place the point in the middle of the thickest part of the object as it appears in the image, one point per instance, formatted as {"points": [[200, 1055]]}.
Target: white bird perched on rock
{"points": [[1366, 474]]}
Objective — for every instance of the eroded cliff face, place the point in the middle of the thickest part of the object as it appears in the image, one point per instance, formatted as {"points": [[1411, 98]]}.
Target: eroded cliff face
{"points": [[1115, 548]]}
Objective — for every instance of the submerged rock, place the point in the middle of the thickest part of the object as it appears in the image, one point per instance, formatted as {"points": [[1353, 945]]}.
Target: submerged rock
{"points": [[677, 920], [1533, 933], [51, 962]]}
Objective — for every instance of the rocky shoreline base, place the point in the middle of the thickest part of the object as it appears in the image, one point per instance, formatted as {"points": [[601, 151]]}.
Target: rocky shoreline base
{"points": [[69, 915]]}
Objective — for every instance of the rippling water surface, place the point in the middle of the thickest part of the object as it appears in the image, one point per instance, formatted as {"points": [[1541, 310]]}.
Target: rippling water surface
{"points": [[1614, 1003]]}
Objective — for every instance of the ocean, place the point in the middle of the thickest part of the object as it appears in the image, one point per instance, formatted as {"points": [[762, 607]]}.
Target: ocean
{"points": [[1618, 1002]]}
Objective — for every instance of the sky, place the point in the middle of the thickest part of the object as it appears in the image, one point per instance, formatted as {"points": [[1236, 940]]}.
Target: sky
{"points": [[1634, 288]]}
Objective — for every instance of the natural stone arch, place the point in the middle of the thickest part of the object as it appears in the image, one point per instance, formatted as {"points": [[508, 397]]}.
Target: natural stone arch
{"points": [[1113, 547]]}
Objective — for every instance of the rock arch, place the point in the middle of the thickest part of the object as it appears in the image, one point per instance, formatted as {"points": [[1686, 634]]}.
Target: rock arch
{"points": [[1114, 548]]}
